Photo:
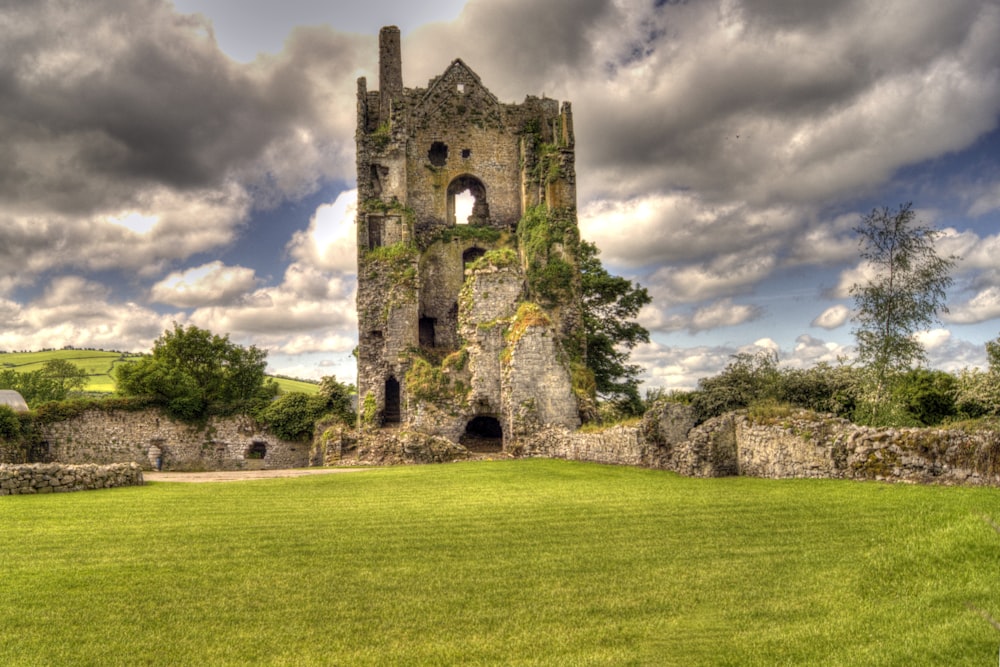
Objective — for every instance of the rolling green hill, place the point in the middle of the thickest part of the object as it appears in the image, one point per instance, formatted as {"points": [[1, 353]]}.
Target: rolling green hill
{"points": [[99, 365]]}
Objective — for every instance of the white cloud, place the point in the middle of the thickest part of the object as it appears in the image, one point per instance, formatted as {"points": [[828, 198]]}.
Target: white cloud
{"points": [[721, 313], [933, 339], [330, 243], [310, 311], [833, 317], [722, 276], [986, 202], [75, 311], [186, 223], [982, 307], [209, 284]]}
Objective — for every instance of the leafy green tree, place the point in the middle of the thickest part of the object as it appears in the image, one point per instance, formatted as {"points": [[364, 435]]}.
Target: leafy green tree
{"points": [[978, 392], [821, 388], [34, 386], [294, 415], [68, 376], [10, 425], [905, 295], [192, 369], [339, 402], [610, 304], [929, 396], [747, 379]]}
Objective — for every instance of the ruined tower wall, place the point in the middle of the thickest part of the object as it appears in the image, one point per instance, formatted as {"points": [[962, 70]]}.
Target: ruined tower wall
{"points": [[435, 299]]}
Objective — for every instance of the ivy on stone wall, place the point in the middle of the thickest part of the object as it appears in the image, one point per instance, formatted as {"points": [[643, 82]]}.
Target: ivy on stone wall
{"points": [[548, 242]]}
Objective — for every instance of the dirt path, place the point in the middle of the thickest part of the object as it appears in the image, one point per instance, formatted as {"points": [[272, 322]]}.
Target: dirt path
{"points": [[239, 475]]}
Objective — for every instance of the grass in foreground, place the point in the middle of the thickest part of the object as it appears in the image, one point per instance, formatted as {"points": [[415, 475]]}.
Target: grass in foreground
{"points": [[523, 562]]}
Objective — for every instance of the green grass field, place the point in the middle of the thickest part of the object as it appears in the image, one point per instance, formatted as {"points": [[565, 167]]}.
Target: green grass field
{"points": [[528, 562], [99, 365]]}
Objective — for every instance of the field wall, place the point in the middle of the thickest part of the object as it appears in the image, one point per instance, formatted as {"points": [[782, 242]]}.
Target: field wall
{"points": [[59, 478], [154, 441], [797, 446]]}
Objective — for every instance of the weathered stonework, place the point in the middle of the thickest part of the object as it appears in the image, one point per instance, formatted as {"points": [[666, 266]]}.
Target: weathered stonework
{"points": [[151, 439], [803, 445], [431, 287], [58, 478]]}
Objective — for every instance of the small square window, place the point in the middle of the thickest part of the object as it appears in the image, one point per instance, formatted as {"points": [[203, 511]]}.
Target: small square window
{"points": [[466, 153]]}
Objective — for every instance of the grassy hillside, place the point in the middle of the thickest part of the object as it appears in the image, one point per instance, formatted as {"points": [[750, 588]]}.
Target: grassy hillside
{"points": [[99, 365], [528, 562]]}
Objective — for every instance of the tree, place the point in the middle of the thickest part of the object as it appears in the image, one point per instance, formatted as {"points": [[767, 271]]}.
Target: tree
{"points": [[609, 305], [52, 382], [747, 379], [338, 399], [191, 369], [904, 296], [67, 375], [293, 416]]}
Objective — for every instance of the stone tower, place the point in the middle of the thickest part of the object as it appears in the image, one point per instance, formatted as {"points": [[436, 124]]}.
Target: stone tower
{"points": [[468, 328]]}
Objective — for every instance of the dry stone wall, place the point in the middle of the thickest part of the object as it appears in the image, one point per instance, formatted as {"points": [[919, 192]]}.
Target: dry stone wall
{"points": [[151, 439], [59, 478], [802, 445]]}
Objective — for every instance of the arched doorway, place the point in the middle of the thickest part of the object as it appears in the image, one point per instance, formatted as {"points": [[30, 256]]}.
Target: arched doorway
{"points": [[391, 414], [471, 255], [480, 208], [483, 434]]}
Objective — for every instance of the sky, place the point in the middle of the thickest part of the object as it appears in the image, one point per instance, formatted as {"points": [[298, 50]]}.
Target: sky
{"points": [[193, 162]]}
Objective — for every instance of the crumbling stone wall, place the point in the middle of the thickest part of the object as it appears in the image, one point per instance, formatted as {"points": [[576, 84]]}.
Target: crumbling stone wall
{"points": [[143, 437], [59, 478], [803, 445]]}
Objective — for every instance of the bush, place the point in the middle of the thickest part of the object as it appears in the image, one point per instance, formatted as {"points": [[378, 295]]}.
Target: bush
{"points": [[293, 416], [747, 378], [928, 396], [10, 425]]}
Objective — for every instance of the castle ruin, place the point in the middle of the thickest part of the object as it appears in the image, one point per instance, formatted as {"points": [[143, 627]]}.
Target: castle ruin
{"points": [[468, 329]]}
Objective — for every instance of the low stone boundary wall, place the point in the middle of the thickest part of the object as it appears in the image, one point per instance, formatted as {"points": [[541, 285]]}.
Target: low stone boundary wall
{"points": [[799, 445], [154, 441], [56, 478]]}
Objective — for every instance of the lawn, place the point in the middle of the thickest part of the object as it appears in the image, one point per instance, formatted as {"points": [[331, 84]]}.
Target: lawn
{"points": [[528, 562]]}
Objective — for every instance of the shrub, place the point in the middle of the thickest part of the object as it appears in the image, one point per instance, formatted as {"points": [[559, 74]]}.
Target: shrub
{"points": [[929, 396], [10, 425], [747, 378], [293, 416]]}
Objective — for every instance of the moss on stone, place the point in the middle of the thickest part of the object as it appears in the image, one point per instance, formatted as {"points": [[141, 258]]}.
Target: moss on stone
{"points": [[369, 410]]}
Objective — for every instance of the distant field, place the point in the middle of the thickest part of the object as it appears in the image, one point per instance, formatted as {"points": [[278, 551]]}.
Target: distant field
{"points": [[528, 562], [99, 365]]}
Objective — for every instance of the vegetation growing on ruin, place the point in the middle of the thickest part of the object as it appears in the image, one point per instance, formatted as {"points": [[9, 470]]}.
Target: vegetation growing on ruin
{"points": [[470, 233], [381, 136], [439, 384], [528, 315], [600, 560], [548, 242], [369, 410], [500, 258]]}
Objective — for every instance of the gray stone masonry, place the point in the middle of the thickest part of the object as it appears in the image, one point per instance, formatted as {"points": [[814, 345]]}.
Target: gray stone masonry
{"points": [[800, 445], [143, 437], [59, 478]]}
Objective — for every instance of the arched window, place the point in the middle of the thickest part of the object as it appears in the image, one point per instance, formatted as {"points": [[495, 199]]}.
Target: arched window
{"points": [[459, 191], [471, 255]]}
